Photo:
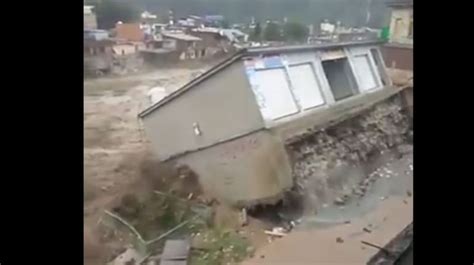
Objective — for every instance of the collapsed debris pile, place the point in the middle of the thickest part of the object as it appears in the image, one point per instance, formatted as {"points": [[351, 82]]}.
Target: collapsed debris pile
{"points": [[327, 160]]}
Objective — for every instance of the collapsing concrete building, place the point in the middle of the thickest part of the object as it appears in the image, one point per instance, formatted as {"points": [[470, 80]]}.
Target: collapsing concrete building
{"points": [[232, 125]]}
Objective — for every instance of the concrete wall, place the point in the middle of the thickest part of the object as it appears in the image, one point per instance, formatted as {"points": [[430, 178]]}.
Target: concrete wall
{"points": [[248, 170], [223, 107], [400, 24], [161, 59], [398, 56], [125, 49], [90, 21], [131, 32]]}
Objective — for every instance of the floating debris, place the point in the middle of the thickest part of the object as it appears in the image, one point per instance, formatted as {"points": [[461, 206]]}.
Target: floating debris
{"points": [[339, 201], [276, 231]]}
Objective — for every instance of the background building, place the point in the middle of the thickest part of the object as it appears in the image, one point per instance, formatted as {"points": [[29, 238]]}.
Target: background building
{"points": [[398, 52], [90, 19]]}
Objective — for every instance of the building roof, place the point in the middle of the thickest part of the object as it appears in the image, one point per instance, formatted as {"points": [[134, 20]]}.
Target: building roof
{"points": [[214, 17], [207, 30], [157, 51], [180, 36], [95, 31], [230, 34], [195, 17], [245, 52], [233, 34], [294, 48], [399, 3]]}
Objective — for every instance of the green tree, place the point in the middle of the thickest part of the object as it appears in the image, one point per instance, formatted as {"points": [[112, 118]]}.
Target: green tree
{"points": [[109, 12], [257, 33], [295, 32], [272, 32]]}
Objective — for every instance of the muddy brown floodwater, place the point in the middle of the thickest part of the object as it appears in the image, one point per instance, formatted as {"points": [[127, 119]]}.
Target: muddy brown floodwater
{"points": [[115, 146]]}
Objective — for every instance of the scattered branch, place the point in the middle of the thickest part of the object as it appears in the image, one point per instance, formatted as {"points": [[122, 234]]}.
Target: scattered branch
{"points": [[169, 232], [129, 226], [388, 253]]}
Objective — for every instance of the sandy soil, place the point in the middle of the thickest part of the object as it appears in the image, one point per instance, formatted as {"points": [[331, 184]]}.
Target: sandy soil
{"points": [[114, 142]]}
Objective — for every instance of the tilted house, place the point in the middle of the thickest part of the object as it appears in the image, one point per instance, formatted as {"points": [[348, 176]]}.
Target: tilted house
{"points": [[230, 124]]}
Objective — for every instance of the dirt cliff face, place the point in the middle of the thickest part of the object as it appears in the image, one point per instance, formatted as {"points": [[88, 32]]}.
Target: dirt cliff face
{"points": [[331, 161]]}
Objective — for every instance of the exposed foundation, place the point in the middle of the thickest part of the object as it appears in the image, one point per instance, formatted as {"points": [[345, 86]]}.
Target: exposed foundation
{"points": [[334, 162], [246, 171], [305, 170]]}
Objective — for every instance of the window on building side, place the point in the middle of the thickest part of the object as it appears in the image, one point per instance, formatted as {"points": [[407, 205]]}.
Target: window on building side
{"points": [[380, 66], [273, 93], [365, 73], [305, 87], [340, 78]]}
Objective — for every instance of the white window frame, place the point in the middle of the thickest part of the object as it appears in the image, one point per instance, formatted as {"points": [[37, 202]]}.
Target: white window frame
{"points": [[327, 88], [352, 52], [384, 68], [292, 98], [318, 82], [315, 59]]}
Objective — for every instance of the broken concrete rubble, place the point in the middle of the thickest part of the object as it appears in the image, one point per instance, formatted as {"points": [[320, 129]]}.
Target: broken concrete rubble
{"points": [[175, 252], [405, 148], [277, 232], [323, 160]]}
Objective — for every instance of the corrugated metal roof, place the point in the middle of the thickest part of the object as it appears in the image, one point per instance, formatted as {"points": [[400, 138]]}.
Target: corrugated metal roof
{"points": [[249, 51]]}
